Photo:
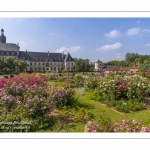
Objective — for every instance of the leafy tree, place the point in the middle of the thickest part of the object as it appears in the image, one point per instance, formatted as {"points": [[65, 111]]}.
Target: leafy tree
{"points": [[146, 65], [21, 65], [2, 65], [82, 65], [9, 64]]}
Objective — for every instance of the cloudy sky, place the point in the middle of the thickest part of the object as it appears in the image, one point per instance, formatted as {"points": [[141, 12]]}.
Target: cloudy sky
{"points": [[93, 38]]}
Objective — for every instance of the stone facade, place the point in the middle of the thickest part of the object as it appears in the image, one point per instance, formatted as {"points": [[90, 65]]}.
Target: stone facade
{"points": [[37, 61]]}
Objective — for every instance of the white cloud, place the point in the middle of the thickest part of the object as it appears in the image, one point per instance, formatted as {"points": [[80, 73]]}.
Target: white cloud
{"points": [[136, 31], [139, 21], [31, 41], [113, 34], [71, 49], [109, 47], [148, 44]]}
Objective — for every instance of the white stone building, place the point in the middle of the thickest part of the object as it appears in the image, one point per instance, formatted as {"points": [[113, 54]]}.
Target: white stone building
{"points": [[98, 65], [36, 61]]}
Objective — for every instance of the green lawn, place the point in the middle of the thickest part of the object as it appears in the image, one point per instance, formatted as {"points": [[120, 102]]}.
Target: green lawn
{"points": [[97, 109]]}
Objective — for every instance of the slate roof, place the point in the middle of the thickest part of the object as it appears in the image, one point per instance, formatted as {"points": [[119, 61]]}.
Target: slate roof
{"points": [[41, 56], [9, 53], [98, 61], [68, 58], [8, 46]]}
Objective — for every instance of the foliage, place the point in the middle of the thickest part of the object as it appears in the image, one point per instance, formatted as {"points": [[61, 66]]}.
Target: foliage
{"points": [[21, 65], [92, 95], [104, 123], [91, 83], [80, 91], [75, 114], [128, 126], [62, 97], [145, 66], [127, 87], [131, 105], [90, 127], [82, 65], [48, 71], [24, 96]]}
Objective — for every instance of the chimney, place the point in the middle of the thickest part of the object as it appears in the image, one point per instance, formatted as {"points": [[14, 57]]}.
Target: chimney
{"points": [[48, 53], [26, 53], [18, 48], [62, 54]]}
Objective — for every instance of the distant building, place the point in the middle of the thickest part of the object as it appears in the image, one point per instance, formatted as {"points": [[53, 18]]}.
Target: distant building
{"points": [[36, 61], [98, 65], [112, 69]]}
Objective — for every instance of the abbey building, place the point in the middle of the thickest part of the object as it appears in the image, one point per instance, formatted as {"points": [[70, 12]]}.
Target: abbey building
{"points": [[36, 61]]}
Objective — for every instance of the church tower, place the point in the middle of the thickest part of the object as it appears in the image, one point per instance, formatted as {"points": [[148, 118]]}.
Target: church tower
{"points": [[2, 37]]}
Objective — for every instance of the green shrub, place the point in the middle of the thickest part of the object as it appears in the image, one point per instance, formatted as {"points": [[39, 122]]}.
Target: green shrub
{"points": [[11, 75], [75, 114], [104, 123], [48, 71], [91, 84], [80, 91], [79, 77], [122, 106], [93, 95], [63, 71], [59, 80], [5, 76], [130, 105]]}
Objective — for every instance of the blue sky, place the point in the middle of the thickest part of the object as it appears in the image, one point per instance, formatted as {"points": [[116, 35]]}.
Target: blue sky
{"points": [[93, 38]]}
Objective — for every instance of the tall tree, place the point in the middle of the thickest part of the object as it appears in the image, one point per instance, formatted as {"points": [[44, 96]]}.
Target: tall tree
{"points": [[21, 65], [10, 64]]}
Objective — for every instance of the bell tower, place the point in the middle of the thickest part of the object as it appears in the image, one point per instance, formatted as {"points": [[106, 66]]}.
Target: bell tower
{"points": [[2, 37]]}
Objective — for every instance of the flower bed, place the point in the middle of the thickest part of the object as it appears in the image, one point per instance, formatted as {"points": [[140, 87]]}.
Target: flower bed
{"points": [[124, 93], [28, 97]]}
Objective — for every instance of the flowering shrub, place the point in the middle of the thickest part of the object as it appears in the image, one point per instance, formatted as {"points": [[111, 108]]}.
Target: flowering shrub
{"points": [[25, 96], [128, 126], [122, 126], [91, 127], [38, 107], [91, 83], [127, 87], [62, 97]]}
